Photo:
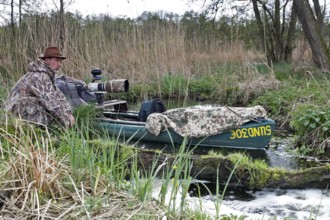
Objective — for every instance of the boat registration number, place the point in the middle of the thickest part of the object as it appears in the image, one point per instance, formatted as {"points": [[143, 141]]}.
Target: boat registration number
{"points": [[251, 132]]}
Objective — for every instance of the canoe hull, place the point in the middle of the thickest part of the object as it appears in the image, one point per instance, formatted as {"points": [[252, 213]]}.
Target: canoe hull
{"points": [[252, 135]]}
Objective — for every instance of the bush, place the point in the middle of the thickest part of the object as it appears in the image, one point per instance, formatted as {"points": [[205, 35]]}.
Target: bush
{"points": [[308, 118], [312, 124]]}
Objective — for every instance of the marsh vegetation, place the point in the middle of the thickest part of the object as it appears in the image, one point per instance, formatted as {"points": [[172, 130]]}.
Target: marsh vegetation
{"points": [[83, 173]]}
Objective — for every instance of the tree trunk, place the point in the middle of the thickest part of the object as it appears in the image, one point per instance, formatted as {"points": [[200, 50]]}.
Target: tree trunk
{"points": [[277, 36], [279, 49], [313, 33], [222, 169], [62, 25], [20, 12], [12, 19], [291, 34], [259, 23], [318, 13]]}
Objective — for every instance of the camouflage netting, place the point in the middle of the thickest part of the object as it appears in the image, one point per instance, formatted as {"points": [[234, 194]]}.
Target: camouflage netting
{"points": [[202, 121]]}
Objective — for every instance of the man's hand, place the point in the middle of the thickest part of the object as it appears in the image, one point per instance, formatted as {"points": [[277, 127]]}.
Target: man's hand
{"points": [[72, 120]]}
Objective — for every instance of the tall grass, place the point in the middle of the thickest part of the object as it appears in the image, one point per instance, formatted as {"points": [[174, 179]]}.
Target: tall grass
{"points": [[63, 174], [51, 173], [158, 57], [126, 49], [176, 180]]}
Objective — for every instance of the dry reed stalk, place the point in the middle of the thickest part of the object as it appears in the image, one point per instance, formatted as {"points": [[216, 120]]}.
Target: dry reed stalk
{"points": [[139, 53], [113, 206], [31, 167], [40, 189], [257, 86]]}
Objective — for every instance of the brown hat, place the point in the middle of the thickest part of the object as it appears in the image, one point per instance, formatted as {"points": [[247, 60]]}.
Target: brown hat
{"points": [[52, 52]]}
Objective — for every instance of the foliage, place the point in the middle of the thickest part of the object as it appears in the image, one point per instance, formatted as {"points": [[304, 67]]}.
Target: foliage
{"points": [[90, 172], [141, 91], [307, 118], [282, 71], [312, 124], [86, 114], [278, 102], [222, 86], [174, 85], [202, 89], [4, 76], [283, 101]]}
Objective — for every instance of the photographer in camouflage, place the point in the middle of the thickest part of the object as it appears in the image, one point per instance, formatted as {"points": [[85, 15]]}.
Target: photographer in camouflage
{"points": [[36, 98]]}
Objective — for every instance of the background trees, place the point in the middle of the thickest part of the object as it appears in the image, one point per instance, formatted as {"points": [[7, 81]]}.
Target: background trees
{"points": [[312, 21], [277, 23], [164, 42]]}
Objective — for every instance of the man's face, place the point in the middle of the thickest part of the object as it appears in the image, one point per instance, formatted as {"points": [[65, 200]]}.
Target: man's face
{"points": [[54, 63]]}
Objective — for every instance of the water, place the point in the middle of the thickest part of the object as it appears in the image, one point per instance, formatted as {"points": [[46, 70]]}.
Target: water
{"points": [[270, 203], [278, 156], [267, 203]]}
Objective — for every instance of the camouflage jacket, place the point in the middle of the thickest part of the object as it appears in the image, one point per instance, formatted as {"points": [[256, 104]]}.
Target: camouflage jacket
{"points": [[36, 98]]}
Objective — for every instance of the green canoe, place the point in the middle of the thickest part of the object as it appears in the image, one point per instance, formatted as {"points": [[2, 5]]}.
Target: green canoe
{"points": [[255, 134]]}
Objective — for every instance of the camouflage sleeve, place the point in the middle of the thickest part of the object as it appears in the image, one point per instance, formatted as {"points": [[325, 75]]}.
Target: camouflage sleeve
{"points": [[51, 99]]}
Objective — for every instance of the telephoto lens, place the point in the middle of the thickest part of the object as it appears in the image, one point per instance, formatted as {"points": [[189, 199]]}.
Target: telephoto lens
{"points": [[115, 86]]}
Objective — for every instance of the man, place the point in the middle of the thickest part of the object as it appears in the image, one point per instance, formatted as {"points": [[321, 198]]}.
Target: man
{"points": [[36, 98]]}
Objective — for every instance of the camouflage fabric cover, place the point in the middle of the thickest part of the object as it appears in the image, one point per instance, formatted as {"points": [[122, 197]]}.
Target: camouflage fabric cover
{"points": [[202, 121], [35, 97], [117, 85]]}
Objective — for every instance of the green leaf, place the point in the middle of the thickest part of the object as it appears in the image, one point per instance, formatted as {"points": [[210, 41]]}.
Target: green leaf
{"points": [[312, 125]]}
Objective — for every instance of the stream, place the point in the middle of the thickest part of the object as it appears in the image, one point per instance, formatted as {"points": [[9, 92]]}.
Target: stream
{"points": [[264, 204], [267, 203], [271, 203]]}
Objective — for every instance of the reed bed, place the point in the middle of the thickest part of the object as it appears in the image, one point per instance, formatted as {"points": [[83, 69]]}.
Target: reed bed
{"points": [[51, 174], [159, 58], [39, 180], [138, 52]]}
